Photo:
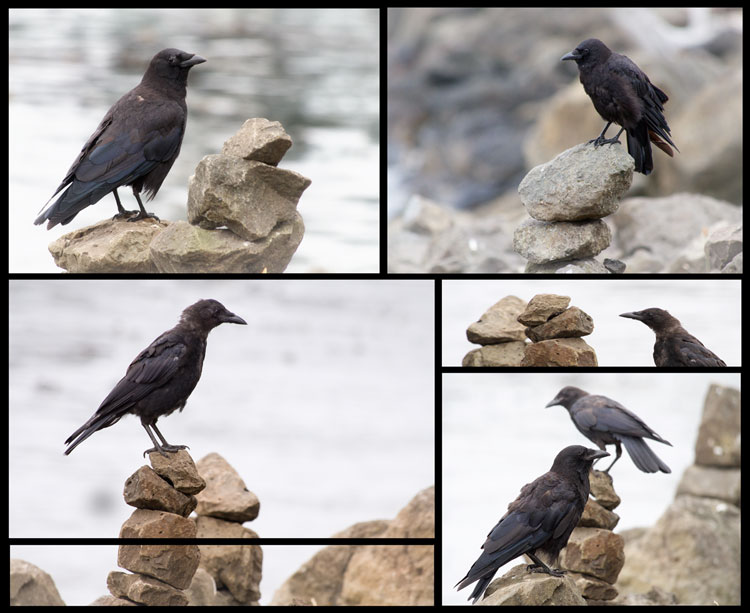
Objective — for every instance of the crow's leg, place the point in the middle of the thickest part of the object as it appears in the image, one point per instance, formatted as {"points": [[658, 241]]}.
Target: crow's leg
{"points": [[541, 567], [142, 215], [165, 446], [600, 140], [617, 457], [121, 212]]}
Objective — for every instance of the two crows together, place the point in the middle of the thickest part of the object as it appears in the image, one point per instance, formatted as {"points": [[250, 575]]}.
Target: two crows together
{"points": [[542, 518]]}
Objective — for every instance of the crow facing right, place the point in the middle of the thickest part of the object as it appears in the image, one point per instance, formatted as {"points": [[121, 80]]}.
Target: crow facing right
{"points": [[623, 94], [162, 377], [540, 520], [135, 144], [674, 345]]}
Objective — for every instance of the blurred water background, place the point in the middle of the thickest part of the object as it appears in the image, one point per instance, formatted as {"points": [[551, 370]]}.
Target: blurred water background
{"points": [[314, 70], [711, 310], [323, 404], [497, 437]]}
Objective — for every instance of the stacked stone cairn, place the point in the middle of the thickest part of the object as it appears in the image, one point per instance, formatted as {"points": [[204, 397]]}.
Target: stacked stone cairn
{"points": [[164, 495], [593, 559], [567, 199], [242, 217], [554, 329]]}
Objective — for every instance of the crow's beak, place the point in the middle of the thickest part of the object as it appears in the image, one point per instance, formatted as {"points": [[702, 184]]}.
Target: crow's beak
{"points": [[573, 55], [231, 318], [196, 59], [594, 454], [633, 315], [553, 402]]}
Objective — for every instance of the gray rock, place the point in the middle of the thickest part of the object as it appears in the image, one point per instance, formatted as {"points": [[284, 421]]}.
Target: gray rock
{"points": [[109, 246], [542, 307], [560, 352], [259, 139], [504, 354], [569, 324], [543, 241], [31, 586], [248, 197], [723, 244], [585, 266], [190, 249], [584, 182], [499, 323]]}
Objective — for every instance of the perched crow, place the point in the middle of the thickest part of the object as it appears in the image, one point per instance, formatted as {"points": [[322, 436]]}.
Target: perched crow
{"points": [[162, 377], [622, 93], [540, 520], [674, 346], [135, 144], [606, 422]]}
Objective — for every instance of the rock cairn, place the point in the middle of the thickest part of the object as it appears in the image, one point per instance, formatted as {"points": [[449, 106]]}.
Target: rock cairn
{"points": [[242, 217], [222, 508], [555, 331], [567, 199], [164, 495], [593, 558]]}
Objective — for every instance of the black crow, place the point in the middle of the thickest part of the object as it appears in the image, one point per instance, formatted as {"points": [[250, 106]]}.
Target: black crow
{"points": [[162, 377], [606, 422], [540, 520], [135, 144], [674, 345], [622, 93]]}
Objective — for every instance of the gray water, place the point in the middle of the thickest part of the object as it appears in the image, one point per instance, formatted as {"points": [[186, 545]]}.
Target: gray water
{"points": [[323, 404], [316, 71]]}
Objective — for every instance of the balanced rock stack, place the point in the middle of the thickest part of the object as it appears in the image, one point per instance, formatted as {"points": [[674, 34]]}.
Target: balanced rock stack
{"points": [[593, 559], [222, 508], [555, 331], [242, 217], [567, 199], [164, 496]]}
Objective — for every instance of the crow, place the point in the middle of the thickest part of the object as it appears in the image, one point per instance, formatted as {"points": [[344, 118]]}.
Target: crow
{"points": [[674, 345], [540, 520], [606, 422], [135, 144], [622, 94], [162, 377]]}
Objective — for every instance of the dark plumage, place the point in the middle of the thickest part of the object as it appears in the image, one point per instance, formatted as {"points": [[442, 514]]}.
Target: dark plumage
{"points": [[622, 94], [606, 422], [674, 345], [540, 520], [162, 377], [135, 144]]}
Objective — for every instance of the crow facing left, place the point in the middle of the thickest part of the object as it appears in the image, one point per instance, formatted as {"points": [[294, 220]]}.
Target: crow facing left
{"points": [[162, 377], [135, 144], [623, 94], [540, 520], [606, 422]]}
